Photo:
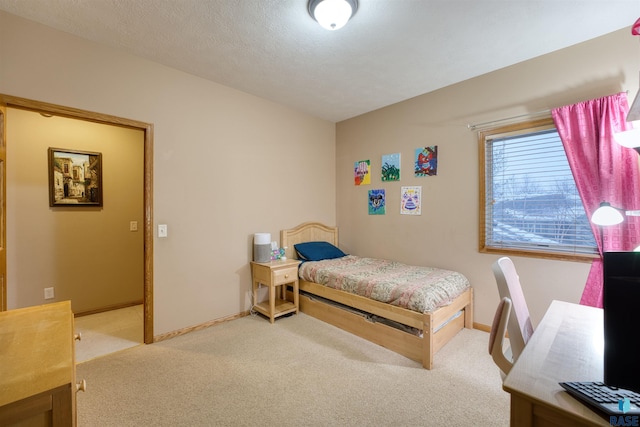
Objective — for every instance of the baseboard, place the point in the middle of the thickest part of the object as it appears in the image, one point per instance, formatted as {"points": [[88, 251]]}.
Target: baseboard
{"points": [[481, 327], [208, 324], [107, 308]]}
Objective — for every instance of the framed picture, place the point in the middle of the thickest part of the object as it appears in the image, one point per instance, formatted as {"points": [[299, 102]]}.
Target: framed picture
{"points": [[75, 178]]}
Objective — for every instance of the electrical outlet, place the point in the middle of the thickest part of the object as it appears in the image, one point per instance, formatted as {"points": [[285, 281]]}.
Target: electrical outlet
{"points": [[48, 293]]}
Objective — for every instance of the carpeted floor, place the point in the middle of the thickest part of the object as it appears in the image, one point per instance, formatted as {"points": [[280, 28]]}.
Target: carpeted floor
{"points": [[108, 332], [296, 372]]}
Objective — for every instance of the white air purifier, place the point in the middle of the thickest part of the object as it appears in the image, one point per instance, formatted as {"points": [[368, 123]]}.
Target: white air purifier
{"points": [[262, 247]]}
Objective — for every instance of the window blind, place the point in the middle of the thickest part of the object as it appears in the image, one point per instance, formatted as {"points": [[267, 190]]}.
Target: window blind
{"points": [[531, 200]]}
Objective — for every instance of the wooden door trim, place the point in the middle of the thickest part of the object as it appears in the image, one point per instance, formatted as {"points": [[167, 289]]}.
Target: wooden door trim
{"points": [[3, 208], [147, 128]]}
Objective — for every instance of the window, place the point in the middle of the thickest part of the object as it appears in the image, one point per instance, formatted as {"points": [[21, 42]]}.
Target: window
{"points": [[529, 203]]}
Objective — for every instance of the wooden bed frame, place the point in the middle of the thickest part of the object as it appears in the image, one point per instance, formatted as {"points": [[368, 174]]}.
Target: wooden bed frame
{"points": [[438, 326]]}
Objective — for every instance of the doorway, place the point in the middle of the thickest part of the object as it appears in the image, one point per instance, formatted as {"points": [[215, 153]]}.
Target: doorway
{"points": [[147, 226]]}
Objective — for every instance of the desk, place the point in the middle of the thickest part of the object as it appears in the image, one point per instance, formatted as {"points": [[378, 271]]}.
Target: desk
{"points": [[567, 345], [37, 371]]}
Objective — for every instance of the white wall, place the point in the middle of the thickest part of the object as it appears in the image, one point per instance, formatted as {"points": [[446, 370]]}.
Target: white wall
{"points": [[446, 234], [226, 164]]}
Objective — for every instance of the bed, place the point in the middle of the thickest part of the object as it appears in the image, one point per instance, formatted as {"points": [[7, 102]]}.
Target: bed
{"points": [[414, 334]]}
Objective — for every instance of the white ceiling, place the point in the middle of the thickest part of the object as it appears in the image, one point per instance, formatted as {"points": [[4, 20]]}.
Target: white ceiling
{"points": [[391, 50]]}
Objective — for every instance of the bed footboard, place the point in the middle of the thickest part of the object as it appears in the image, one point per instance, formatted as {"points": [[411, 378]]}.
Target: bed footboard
{"points": [[444, 323]]}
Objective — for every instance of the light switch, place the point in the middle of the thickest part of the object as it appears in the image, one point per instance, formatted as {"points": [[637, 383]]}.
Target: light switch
{"points": [[162, 230], [133, 226]]}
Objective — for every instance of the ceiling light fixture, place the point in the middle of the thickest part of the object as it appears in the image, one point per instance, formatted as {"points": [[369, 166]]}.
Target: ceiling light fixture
{"points": [[332, 14]]}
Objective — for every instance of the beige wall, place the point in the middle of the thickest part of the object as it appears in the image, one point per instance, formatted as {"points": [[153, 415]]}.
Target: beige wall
{"points": [[226, 164], [87, 254], [446, 234]]}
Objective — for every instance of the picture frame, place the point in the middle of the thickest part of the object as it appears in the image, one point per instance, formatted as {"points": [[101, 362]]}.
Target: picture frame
{"points": [[75, 178]]}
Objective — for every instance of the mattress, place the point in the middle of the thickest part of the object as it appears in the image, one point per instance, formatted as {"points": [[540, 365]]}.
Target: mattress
{"points": [[421, 289]]}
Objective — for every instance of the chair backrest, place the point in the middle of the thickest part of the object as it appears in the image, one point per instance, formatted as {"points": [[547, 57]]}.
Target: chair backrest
{"points": [[519, 326], [496, 338]]}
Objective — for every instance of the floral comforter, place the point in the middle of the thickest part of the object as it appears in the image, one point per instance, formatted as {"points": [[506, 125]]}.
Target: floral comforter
{"points": [[421, 289]]}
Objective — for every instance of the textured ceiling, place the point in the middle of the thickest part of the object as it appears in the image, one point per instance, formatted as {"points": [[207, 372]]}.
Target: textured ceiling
{"points": [[390, 51]]}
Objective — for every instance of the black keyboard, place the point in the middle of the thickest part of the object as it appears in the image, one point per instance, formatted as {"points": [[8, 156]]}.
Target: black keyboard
{"points": [[604, 398]]}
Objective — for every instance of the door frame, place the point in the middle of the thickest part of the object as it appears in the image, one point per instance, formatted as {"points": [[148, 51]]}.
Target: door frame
{"points": [[3, 209], [147, 128]]}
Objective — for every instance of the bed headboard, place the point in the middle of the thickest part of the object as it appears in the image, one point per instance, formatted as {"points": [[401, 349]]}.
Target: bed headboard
{"points": [[307, 232]]}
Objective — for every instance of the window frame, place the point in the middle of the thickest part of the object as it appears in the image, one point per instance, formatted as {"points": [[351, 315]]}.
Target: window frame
{"points": [[520, 128]]}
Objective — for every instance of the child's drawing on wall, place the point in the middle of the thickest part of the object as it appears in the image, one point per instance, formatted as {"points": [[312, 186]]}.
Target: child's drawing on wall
{"points": [[426, 161], [362, 172], [391, 167], [377, 202], [411, 200]]}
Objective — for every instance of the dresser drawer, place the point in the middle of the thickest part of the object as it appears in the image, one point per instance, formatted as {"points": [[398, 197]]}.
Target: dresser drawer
{"points": [[286, 275]]}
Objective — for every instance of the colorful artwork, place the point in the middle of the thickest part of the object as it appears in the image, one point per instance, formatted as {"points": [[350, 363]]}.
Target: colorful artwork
{"points": [[362, 172], [426, 161], [391, 167], [411, 200], [377, 202], [75, 178]]}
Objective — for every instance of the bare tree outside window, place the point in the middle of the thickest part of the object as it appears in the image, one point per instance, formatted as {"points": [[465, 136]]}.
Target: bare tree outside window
{"points": [[529, 201]]}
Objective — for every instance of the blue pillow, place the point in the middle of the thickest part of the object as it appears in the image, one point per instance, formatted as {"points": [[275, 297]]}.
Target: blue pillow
{"points": [[317, 251]]}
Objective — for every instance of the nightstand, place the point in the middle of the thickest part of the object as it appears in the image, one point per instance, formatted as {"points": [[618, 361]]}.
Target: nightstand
{"points": [[275, 275]]}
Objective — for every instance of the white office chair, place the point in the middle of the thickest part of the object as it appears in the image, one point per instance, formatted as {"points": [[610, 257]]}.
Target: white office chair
{"points": [[496, 338], [519, 327]]}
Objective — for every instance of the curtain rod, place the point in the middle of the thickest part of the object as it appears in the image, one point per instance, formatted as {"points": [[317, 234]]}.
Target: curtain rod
{"points": [[537, 113], [477, 125]]}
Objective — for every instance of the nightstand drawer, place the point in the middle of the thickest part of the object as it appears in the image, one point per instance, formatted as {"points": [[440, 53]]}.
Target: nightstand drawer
{"points": [[286, 275]]}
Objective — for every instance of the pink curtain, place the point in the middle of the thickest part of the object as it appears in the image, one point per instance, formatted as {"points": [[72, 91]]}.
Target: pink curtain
{"points": [[604, 171]]}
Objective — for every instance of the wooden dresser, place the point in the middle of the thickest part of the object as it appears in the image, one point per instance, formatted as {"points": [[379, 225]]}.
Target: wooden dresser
{"points": [[37, 366]]}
